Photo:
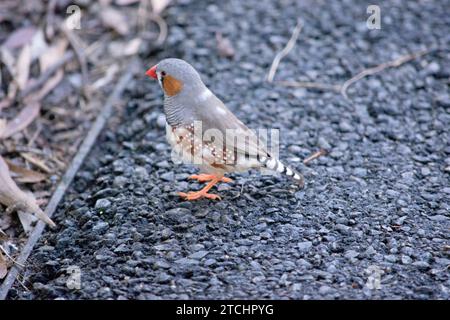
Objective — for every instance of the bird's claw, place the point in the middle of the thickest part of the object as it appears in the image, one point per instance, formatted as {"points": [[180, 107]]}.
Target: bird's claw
{"points": [[198, 195]]}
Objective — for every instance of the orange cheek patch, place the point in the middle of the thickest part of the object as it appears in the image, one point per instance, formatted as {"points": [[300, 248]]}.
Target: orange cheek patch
{"points": [[171, 85]]}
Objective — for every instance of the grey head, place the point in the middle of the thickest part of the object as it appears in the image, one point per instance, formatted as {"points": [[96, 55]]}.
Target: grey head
{"points": [[181, 73], [182, 87]]}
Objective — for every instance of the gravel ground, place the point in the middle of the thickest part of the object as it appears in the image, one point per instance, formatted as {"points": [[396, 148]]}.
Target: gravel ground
{"points": [[378, 204]]}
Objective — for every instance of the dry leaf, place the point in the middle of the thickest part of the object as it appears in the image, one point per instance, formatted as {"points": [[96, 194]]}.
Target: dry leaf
{"points": [[5, 223], [15, 199], [114, 19], [3, 266], [25, 175], [5, 103], [38, 45], [124, 48], [22, 120], [10, 62], [8, 59], [224, 46], [2, 125], [109, 76], [12, 90], [36, 161], [23, 66], [158, 6], [132, 47], [19, 37], [48, 86], [3, 235], [52, 54]]}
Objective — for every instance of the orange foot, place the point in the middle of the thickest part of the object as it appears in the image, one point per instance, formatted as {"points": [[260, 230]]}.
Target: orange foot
{"points": [[198, 195], [204, 192], [208, 177]]}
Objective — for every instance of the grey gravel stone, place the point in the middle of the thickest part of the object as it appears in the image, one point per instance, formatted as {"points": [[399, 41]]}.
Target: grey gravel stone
{"points": [[101, 226], [120, 181], [186, 261], [178, 215], [102, 204], [198, 255], [406, 259], [422, 265], [305, 246], [323, 290], [350, 254], [439, 217]]}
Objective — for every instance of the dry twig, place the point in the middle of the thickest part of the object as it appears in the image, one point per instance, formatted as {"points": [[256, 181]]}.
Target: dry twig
{"points": [[311, 85], [50, 19], [371, 71], [280, 55], [37, 162], [162, 28], [76, 44], [26, 116], [21, 280], [315, 155], [10, 258], [144, 14], [5, 103], [15, 199], [46, 88], [342, 89], [3, 266]]}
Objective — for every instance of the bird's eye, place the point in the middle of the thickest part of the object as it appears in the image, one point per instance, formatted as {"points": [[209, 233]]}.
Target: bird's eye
{"points": [[163, 73]]}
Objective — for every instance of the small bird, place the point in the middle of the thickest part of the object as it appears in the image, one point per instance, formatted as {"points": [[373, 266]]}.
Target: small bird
{"points": [[203, 131]]}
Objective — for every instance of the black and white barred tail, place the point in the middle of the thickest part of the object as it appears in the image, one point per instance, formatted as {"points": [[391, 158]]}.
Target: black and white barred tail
{"points": [[276, 165]]}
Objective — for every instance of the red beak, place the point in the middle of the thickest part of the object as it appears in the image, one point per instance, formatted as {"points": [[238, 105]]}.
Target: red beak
{"points": [[152, 72]]}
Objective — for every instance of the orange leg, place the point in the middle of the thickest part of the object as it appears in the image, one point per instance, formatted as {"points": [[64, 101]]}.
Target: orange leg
{"points": [[208, 177], [202, 193]]}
